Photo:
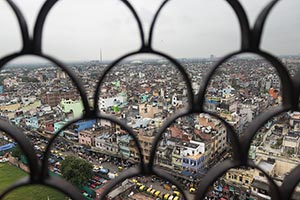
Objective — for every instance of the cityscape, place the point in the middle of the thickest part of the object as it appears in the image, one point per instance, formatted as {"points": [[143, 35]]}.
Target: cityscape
{"points": [[40, 99]]}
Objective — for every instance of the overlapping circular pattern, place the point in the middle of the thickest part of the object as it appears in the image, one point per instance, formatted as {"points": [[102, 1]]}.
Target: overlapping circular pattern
{"points": [[250, 42]]}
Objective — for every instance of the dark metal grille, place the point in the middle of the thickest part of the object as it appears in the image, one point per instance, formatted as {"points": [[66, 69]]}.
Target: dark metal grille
{"points": [[250, 43]]}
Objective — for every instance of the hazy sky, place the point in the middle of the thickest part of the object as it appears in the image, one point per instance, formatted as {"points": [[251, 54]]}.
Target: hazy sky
{"points": [[77, 29]]}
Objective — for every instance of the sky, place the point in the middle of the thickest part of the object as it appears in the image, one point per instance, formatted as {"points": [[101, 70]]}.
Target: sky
{"points": [[76, 30]]}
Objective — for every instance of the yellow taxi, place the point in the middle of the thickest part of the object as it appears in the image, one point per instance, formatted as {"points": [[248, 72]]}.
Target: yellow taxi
{"points": [[133, 180], [149, 190], [142, 188], [138, 184], [177, 193], [152, 191], [192, 190], [157, 193], [176, 198], [166, 196], [120, 168]]}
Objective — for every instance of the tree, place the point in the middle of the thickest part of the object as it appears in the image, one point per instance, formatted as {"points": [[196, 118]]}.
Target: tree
{"points": [[76, 170], [17, 152]]}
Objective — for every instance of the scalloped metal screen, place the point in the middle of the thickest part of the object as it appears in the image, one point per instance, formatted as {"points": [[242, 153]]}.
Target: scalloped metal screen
{"points": [[250, 42]]}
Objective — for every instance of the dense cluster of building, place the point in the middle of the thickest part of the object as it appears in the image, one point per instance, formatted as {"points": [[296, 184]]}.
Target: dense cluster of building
{"points": [[143, 94]]}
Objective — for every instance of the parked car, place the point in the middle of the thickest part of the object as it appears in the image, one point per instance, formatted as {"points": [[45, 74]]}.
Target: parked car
{"points": [[104, 170]]}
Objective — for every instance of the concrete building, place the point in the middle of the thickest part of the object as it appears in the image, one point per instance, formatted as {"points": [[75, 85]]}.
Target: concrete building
{"points": [[291, 142], [54, 98], [107, 143], [146, 144], [148, 110], [32, 122], [106, 102], [193, 156], [58, 126], [240, 177], [86, 137], [177, 158], [75, 108], [124, 144]]}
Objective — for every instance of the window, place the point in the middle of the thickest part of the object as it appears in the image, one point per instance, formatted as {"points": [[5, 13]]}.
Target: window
{"points": [[193, 162], [185, 160], [261, 174], [241, 179]]}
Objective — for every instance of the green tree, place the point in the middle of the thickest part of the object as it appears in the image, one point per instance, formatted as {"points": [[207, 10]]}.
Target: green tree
{"points": [[17, 152], [76, 170]]}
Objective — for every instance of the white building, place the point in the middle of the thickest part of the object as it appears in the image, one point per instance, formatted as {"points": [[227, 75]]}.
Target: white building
{"points": [[193, 148], [105, 103]]}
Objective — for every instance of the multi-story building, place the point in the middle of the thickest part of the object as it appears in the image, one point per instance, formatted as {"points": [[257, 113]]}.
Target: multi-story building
{"points": [[86, 137], [212, 132], [73, 109], [240, 177], [146, 145], [54, 98], [106, 102], [32, 122], [148, 110], [193, 157], [107, 143], [124, 144], [295, 121], [177, 158], [291, 142]]}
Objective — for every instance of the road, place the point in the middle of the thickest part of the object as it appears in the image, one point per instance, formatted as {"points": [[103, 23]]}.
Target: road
{"points": [[109, 165]]}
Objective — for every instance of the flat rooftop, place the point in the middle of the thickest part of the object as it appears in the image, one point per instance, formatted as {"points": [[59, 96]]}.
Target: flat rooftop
{"points": [[195, 157]]}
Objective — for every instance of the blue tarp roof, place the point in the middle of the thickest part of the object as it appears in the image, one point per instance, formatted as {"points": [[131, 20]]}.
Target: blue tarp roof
{"points": [[7, 146]]}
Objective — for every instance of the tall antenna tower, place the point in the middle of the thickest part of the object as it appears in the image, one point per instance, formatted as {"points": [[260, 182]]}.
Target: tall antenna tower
{"points": [[100, 55]]}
